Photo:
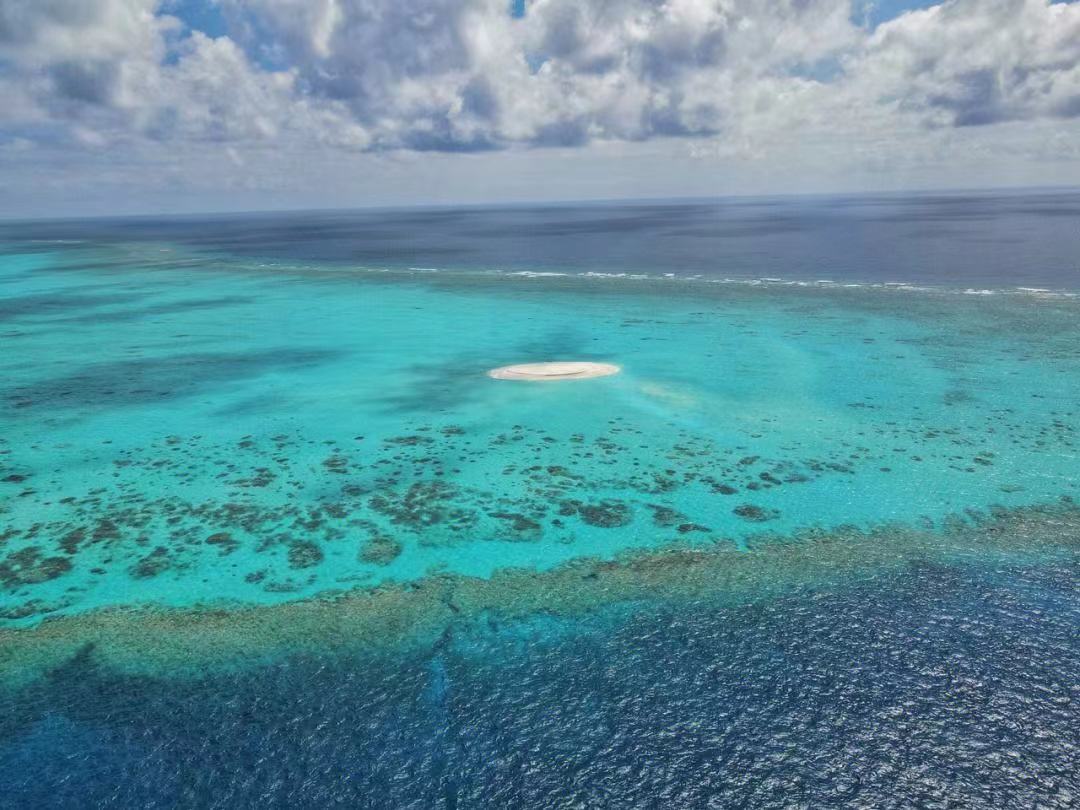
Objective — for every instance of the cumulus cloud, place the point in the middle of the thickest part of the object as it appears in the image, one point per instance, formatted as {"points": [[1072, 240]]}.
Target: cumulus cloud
{"points": [[736, 80], [454, 74], [977, 62]]}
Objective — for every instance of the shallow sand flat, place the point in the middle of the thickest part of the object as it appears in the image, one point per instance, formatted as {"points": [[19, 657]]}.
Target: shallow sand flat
{"points": [[560, 370]]}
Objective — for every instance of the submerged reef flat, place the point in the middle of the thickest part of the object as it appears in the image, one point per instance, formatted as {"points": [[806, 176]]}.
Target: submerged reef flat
{"points": [[172, 641], [195, 519], [266, 432]]}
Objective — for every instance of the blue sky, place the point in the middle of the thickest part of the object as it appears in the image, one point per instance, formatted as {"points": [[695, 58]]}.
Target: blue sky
{"points": [[201, 15], [148, 105], [206, 16], [875, 12]]}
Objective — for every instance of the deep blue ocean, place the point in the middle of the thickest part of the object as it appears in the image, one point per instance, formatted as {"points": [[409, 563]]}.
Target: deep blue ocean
{"points": [[937, 688], [269, 537], [1022, 238]]}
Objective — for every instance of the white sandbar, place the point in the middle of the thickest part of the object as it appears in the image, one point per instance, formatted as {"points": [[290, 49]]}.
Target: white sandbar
{"points": [[547, 372]]}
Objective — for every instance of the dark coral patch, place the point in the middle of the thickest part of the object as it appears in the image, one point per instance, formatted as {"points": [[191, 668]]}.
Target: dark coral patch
{"points": [[28, 567], [154, 563], [607, 514], [424, 504], [755, 514], [666, 516], [32, 607], [409, 441], [380, 549], [686, 528], [521, 526], [304, 554], [224, 541], [106, 529], [262, 478], [336, 464], [70, 541]]}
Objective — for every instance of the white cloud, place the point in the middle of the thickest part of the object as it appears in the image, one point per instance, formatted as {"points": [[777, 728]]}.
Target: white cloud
{"points": [[978, 62], [464, 75], [48, 32], [755, 81]]}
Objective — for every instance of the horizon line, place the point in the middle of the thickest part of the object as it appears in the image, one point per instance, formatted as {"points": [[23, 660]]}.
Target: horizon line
{"points": [[550, 203]]}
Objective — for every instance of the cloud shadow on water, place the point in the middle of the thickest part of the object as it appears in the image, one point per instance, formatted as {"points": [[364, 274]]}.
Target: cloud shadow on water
{"points": [[43, 305], [157, 310], [141, 381]]}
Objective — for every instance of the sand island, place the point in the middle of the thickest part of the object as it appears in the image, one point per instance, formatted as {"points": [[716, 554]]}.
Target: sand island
{"points": [[561, 370]]}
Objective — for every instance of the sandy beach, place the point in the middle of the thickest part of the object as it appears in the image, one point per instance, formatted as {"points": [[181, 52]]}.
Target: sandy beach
{"points": [[561, 370]]}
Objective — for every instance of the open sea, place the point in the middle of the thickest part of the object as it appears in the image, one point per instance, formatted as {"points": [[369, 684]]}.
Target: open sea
{"points": [[271, 537]]}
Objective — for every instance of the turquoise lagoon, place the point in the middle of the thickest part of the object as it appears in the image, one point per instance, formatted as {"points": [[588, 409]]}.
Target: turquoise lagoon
{"points": [[185, 427]]}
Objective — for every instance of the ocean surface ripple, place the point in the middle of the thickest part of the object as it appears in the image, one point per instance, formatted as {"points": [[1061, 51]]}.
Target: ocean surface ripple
{"points": [[940, 686]]}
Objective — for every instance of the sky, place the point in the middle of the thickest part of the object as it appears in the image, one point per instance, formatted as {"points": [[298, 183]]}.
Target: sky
{"points": [[147, 106]]}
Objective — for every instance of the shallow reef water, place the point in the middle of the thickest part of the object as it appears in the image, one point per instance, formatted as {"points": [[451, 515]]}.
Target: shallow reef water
{"points": [[270, 535], [190, 429]]}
